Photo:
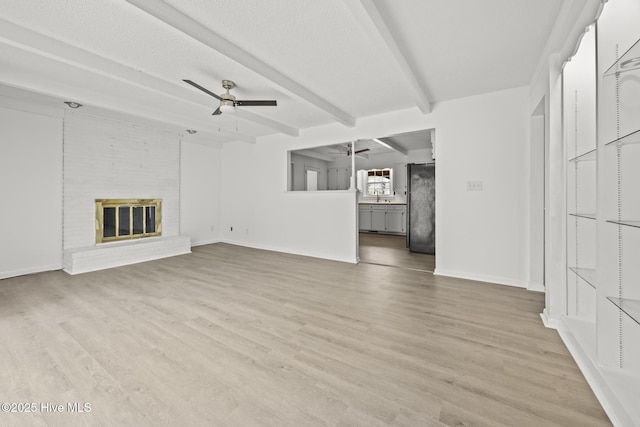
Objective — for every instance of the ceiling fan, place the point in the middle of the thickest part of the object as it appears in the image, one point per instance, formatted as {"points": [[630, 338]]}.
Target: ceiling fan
{"points": [[228, 102], [348, 151]]}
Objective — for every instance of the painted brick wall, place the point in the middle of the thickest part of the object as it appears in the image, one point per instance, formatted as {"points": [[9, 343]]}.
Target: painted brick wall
{"points": [[109, 159]]}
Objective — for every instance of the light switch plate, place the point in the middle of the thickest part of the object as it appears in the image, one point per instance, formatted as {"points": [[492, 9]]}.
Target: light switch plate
{"points": [[474, 185]]}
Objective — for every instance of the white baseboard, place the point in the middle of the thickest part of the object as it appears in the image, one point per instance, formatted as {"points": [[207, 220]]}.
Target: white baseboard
{"points": [[535, 287], [547, 321], [29, 270], [205, 242], [480, 277], [288, 251], [596, 377]]}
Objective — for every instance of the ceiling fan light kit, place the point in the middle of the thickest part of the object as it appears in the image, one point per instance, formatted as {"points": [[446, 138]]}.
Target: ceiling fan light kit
{"points": [[228, 102], [227, 106]]}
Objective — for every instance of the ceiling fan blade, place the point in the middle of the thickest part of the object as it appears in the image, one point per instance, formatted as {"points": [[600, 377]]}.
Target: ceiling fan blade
{"points": [[217, 112], [245, 103], [362, 151], [205, 90]]}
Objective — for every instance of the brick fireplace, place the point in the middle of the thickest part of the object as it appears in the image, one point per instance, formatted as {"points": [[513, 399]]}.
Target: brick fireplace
{"points": [[121, 201]]}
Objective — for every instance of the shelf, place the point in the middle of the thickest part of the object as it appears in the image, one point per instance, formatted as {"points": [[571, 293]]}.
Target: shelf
{"points": [[584, 215], [635, 224], [629, 61], [585, 157], [586, 274], [632, 138], [630, 307]]}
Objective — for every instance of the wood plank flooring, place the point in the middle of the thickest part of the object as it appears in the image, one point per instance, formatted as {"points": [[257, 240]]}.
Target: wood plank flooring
{"points": [[391, 250], [232, 336]]}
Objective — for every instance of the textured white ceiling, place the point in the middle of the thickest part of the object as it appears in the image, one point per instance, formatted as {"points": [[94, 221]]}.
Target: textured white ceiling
{"points": [[113, 54], [466, 47]]}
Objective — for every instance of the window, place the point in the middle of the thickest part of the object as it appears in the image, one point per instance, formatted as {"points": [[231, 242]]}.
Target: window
{"points": [[123, 219], [379, 182]]}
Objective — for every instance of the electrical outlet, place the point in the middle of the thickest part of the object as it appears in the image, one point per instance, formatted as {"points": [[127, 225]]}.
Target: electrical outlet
{"points": [[474, 185]]}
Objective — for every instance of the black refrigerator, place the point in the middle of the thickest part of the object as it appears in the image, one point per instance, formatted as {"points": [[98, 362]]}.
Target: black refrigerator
{"points": [[421, 207]]}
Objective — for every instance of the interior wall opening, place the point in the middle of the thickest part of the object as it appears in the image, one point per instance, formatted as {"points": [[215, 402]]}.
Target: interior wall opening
{"points": [[396, 202]]}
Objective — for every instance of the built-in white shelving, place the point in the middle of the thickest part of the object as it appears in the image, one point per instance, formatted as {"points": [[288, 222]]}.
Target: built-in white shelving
{"points": [[589, 156], [601, 321], [629, 307], [628, 61], [631, 138], [583, 215], [586, 274]]}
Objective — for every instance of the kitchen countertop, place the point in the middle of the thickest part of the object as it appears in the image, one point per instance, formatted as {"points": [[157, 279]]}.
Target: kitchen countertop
{"points": [[381, 203]]}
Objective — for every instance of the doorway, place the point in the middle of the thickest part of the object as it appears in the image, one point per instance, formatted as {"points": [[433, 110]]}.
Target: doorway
{"points": [[390, 250], [384, 200]]}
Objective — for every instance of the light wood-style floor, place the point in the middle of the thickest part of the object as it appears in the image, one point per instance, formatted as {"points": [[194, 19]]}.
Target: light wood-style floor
{"points": [[391, 250], [232, 336]]}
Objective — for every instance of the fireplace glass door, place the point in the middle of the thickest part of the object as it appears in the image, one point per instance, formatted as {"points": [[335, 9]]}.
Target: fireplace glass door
{"points": [[122, 219]]}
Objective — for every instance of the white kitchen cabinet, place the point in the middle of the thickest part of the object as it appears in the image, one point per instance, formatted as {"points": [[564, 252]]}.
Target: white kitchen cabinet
{"points": [[364, 215], [400, 179], [378, 218], [382, 218], [396, 219]]}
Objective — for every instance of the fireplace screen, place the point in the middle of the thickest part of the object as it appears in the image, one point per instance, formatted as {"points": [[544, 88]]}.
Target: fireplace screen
{"points": [[122, 219]]}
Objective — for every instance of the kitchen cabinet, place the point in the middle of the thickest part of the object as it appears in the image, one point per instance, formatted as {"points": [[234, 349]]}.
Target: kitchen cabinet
{"points": [[396, 219], [338, 178], [364, 215], [378, 218], [383, 218], [400, 179]]}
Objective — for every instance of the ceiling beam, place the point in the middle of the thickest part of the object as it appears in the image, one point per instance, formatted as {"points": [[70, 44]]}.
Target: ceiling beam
{"points": [[387, 142], [261, 120], [40, 44], [369, 17], [313, 154], [189, 26]]}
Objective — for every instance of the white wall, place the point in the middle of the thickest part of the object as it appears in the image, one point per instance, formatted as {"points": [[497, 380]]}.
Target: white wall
{"points": [[110, 159], [321, 224], [263, 214], [200, 192], [483, 234], [480, 235], [31, 192], [536, 202]]}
